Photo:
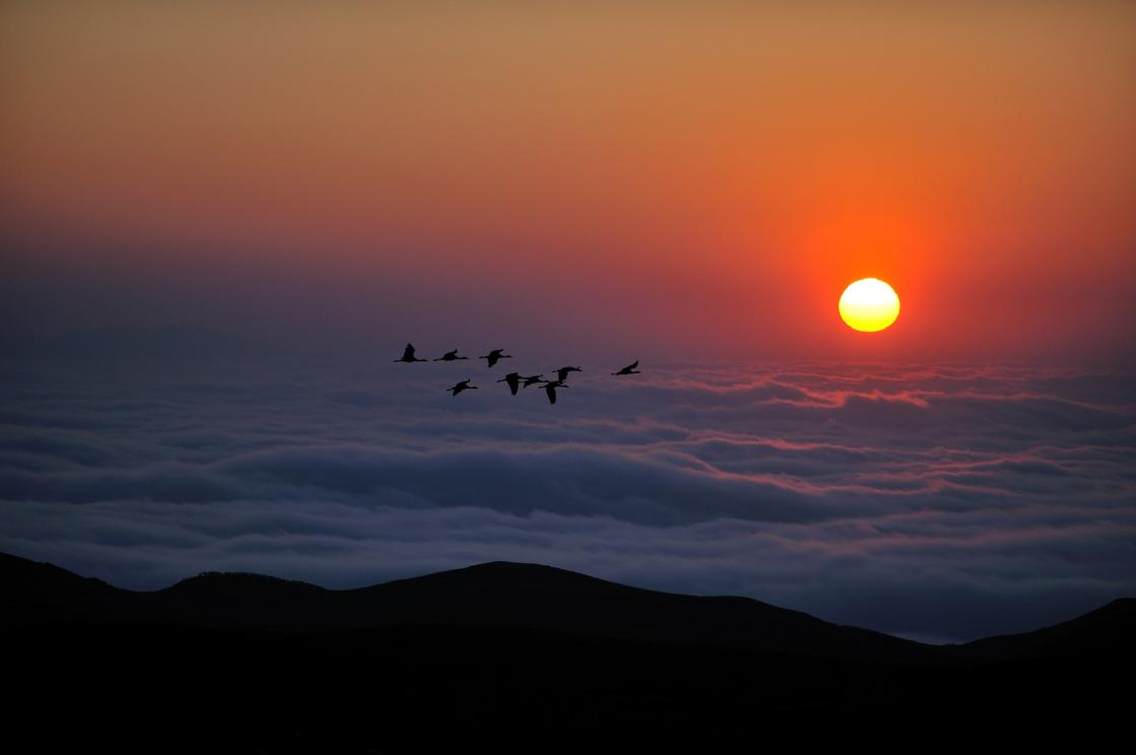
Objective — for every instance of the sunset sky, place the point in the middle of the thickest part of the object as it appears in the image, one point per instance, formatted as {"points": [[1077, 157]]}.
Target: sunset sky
{"points": [[674, 180], [220, 223]]}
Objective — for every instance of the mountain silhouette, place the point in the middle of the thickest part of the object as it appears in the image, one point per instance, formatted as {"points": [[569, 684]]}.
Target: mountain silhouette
{"points": [[1105, 630], [491, 594], [516, 594], [504, 650]]}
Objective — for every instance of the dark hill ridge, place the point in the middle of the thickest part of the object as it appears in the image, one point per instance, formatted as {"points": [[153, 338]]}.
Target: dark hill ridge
{"points": [[41, 593], [501, 594], [492, 594], [1106, 630], [561, 600], [523, 656]]}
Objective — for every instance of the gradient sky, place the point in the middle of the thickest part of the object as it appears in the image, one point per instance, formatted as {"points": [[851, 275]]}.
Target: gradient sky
{"points": [[223, 220], [667, 180]]}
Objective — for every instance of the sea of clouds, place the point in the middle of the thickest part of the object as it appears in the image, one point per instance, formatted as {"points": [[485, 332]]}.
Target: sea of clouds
{"points": [[936, 503]]}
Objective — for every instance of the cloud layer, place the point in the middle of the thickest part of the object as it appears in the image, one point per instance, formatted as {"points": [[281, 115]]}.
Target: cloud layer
{"points": [[942, 503]]}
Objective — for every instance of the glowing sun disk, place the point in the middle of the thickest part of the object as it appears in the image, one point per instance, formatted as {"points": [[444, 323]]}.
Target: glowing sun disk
{"points": [[869, 305]]}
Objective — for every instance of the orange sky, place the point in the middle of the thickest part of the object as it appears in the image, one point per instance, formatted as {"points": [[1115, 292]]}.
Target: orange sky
{"points": [[690, 169]]}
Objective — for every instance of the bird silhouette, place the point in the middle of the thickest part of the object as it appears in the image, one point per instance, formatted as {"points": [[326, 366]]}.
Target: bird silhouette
{"points": [[532, 380], [408, 355], [495, 356], [449, 356], [550, 387], [462, 386], [629, 369], [562, 373], [514, 381]]}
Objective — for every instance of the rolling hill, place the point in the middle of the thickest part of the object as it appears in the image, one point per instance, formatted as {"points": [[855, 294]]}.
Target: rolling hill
{"points": [[504, 649]]}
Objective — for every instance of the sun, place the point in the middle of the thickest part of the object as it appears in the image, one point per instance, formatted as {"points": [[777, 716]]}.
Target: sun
{"points": [[869, 305]]}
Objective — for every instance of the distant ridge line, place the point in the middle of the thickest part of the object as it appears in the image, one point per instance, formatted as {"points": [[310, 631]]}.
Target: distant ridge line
{"points": [[504, 593]]}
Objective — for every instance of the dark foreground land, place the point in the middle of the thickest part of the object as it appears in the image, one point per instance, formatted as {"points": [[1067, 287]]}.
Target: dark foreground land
{"points": [[511, 657]]}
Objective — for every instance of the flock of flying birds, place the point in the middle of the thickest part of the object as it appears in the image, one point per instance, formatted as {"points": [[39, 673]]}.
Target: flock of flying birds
{"points": [[514, 380]]}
